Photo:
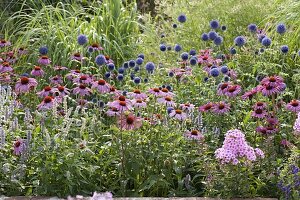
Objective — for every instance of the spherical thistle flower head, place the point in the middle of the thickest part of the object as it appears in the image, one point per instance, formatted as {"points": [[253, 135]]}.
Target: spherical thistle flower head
{"points": [[137, 80], [193, 61], [43, 50], [284, 49], [125, 65], [252, 28], [214, 72], [169, 87], [184, 56], [261, 37], [82, 39], [214, 24], [141, 56], [239, 41], [281, 29], [223, 28], [171, 74], [212, 35], [120, 77], [174, 25], [169, 48], [169, 109], [232, 51], [266, 41], [100, 60], [131, 63], [137, 68], [177, 48], [139, 61], [111, 66], [204, 37], [121, 70], [218, 40], [181, 18], [192, 52], [163, 47], [224, 69]]}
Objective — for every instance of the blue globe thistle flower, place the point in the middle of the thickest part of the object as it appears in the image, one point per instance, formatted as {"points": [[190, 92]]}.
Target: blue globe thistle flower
{"points": [[184, 56], [82, 39], [131, 63], [146, 80], [224, 69], [160, 88], [162, 47], [43, 50], [125, 65], [193, 61], [100, 104], [218, 40], [226, 78], [261, 50], [94, 100], [261, 37], [169, 48], [213, 67], [121, 70], [232, 51], [177, 47], [212, 35], [124, 93], [174, 25], [141, 56], [120, 77], [284, 48], [136, 68], [193, 52], [214, 72], [111, 66], [266, 41], [107, 75], [181, 18], [205, 37], [163, 86], [299, 53], [239, 41], [281, 29], [169, 87], [214, 24], [150, 66], [100, 60], [171, 74], [139, 61], [170, 109], [137, 80], [90, 49], [252, 28], [132, 75], [162, 35], [223, 28], [205, 79], [25, 74]]}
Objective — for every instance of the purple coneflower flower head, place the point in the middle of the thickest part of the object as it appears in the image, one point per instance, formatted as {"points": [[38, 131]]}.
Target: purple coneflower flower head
{"points": [[102, 86], [293, 106], [137, 94], [272, 85], [250, 94], [85, 79], [206, 107], [155, 91], [102, 196], [129, 122], [62, 91], [5, 67], [82, 39], [259, 105], [187, 107], [47, 91], [4, 43], [82, 90], [222, 88], [296, 126], [19, 147], [22, 51], [44, 60], [37, 71], [194, 135], [113, 112], [168, 101], [233, 90], [96, 47], [178, 114], [139, 103], [46, 104], [221, 107], [56, 80], [259, 113], [285, 143], [77, 56], [121, 105], [165, 92], [60, 68], [25, 84], [73, 74]]}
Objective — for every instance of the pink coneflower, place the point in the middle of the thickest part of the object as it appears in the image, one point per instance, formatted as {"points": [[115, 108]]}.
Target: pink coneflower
{"points": [[259, 113], [259, 105], [194, 135], [63, 91], [45, 92], [5, 67], [272, 85], [271, 129], [82, 103], [272, 80], [56, 80], [272, 121], [233, 90], [261, 129], [129, 122], [187, 107], [206, 107], [96, 47], [37, 71], [82, 90], [137, 94], [85, 79], [155, 91], [220, 108], [268, 90], [293, 106], [249, 94], [168, 101], [166, 93], [60, 68], [108, 60], [77, 56], [44, 60], [22, 51], [114, 91], [19, 147], [5, 78], [25, 84], [120, 105], [285, 143], [222, 89], [73, 74], [46, 104], [112, 112], [4, 43], [139, 103], [102, 86], [178, 114]]}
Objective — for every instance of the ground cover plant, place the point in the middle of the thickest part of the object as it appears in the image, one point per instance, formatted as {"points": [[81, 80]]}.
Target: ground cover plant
{"points": [[99, 98]]}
